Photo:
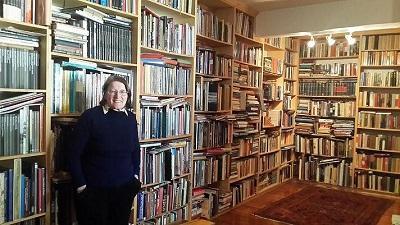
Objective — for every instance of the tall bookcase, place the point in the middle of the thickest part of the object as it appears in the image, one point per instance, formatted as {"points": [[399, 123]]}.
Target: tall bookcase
{"points": [[89, 42], [213, 108], [376, 157], [326, 111], [24, 114], [165, 109]]}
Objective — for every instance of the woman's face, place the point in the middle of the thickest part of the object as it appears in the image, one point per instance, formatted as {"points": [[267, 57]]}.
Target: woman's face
{"points": [[116, 95]]}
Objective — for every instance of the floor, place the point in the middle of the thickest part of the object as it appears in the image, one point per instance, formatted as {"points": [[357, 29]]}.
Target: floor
{"points": [[243, 214]]}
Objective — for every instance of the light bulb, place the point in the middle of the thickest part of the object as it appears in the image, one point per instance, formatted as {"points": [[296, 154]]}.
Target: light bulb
{"points": [[311, 42], [330, 40], [350, 39]]}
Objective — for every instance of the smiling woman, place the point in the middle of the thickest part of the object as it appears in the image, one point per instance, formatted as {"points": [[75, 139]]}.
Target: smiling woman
{"points": [[104, 158]]}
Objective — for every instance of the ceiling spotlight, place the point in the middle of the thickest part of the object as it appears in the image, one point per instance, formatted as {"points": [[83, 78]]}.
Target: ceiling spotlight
{"points": [[311, 42], [330, 40], [350, 39]]}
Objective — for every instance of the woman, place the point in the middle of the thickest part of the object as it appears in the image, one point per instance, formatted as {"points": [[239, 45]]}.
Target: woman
{"points": [[105, 158]]}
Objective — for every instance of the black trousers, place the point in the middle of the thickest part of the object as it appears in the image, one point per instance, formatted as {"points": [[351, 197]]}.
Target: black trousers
{"points": [[106, 206]]}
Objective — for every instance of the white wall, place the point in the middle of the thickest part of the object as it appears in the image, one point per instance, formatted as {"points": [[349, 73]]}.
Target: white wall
{"points": [[325, 16]]}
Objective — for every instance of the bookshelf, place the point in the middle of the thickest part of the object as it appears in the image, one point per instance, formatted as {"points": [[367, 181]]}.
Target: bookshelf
{"points": [[213, 94], [246, 106], [24, 115], [326, 111], [376, 152], [165, 110], [82, 56]]}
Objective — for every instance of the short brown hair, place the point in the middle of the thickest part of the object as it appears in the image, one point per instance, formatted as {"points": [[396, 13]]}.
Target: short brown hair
{"points": [[121, 79]]}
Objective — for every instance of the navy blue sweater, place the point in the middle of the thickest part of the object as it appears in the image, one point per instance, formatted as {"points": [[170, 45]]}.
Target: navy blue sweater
{"points": [[105, 150]]}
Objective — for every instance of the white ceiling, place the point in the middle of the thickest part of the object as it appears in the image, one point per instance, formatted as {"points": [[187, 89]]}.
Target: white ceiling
{"points": [[264, 5]]}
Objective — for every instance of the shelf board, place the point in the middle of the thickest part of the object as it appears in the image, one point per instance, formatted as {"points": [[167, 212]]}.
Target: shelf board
{"points": [[35, 154], [246, 87], [324, 135], [212, 112], [378, 171], [234, 180], [23, 26], [334, 117], [327, 77], [378, 108], [207, 148], [167, 96], [317, 96], [163, 182], [66, 115], [327, 156], [244, 156], [380, 87], [287, 128], [22, 90], [287, 145], [378, 150], [270, 47], [378, 191], [381, 50], [272, 100], [25, 219], [290, 49], [173, 54], [288, 79], [166, 139], [329, 58], [271, 76], [269, 170], [169, 8], [380, 66], [98, 61], [248, 40], [213, 76], [289, 64], [270, 127], [270, 152], [212, 42], [379, 129], [248, 64], [106, 9]]}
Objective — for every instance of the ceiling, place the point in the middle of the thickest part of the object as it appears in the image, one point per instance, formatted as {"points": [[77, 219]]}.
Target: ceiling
{"points": [[265, 5]]}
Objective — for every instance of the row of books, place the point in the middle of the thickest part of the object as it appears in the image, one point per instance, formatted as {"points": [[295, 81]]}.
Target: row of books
{"points": [[129, 6], [268, 162], [162, 32], [211, 131], [381, 78], [327, 87], [163, 162], [274, 41], [326, 108], [331, 69], [331, 171], [211, 95], [272, 118], [87, 32], [247, 53], [324, 146], [291, 43], [273, 65], [380, 58], [287, 119], [162, 118], [288, 88], [287, 138], [377, 182], [378, 141], [245, 76], [268, 179], [245, 146], [287, 102], [287, 154], [210, 63], [322, 49], [244, 24], [22, 10], [377, 42], [290, 57], [243, 190], [210, 25], [243, 168], [208, 170], [77, 84], [290, 72], [185, 6], [164, 76], [272, 91], [378, 99], [372, 119], [379, 161], [335, 127], [269, 142], [162, 200], [22, 189]]}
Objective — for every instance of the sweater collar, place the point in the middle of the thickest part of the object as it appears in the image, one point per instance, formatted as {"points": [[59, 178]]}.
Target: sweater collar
{"points": [[106, 109]]}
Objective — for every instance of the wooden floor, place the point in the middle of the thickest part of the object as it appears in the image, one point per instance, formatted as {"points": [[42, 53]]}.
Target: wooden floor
{"points": [[243, 214]]}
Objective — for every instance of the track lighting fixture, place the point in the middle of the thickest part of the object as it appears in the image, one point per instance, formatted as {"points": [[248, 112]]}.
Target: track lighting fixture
{"points": [[311, 42], [330, 40], [350, 39]]}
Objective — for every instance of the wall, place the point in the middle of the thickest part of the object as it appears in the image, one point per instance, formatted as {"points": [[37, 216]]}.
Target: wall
{"points": [[325, 16]]}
